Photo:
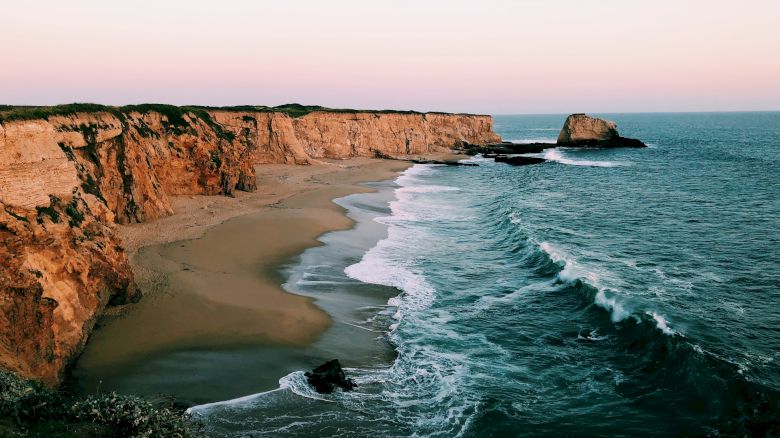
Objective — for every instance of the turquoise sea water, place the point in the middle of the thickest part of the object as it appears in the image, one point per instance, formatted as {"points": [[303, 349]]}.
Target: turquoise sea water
{"points": [[606, 292]]}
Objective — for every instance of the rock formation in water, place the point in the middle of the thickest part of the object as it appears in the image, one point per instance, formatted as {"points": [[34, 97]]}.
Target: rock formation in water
{"points": [[67, 174], [583, 130], [517, 160], [329, 376]]}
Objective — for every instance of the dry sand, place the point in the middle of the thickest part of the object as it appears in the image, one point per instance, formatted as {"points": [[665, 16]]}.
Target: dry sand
{"points": [[209, 273]]}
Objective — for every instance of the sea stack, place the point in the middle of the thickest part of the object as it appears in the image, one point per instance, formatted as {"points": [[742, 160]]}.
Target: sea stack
{"points": [[583, 130]]}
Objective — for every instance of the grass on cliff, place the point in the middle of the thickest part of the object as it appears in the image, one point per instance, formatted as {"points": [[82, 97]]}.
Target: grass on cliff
{"points": [[174, 114], [28, 409]]}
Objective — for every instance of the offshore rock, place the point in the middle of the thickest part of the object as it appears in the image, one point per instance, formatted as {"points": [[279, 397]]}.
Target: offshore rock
{"points": [[583, 130], [329, 376]]}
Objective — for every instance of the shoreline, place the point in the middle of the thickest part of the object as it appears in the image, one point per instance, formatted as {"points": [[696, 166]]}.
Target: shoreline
{"points": [[211, 273]]}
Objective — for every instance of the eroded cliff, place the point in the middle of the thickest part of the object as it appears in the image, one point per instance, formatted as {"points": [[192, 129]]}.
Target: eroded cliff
{"points": [[67, 174]]}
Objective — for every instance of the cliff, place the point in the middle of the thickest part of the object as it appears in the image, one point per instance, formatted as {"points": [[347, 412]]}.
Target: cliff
{"points": [[68, 173], [60, 265]]}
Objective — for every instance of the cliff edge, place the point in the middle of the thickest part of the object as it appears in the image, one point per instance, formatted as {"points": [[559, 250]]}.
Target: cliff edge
{"points": [[68, 173]]}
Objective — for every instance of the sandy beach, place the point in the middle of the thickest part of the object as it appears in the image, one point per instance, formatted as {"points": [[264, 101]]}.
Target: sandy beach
{"points": [[210, 273]]}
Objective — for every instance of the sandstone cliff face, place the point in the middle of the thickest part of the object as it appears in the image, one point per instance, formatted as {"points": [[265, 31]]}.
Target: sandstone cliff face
{"points": [[66, 179], [329, 135], [134, 161], [59, 267], [580, 128]]}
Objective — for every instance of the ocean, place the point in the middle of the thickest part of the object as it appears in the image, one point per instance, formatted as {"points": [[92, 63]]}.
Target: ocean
{"points": [[606, 292]]}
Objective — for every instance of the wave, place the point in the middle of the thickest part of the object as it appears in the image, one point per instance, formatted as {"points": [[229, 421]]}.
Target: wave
{"points": [[384, 264], [557, 156], [572, 272], [477, 159], [429, 388], [427, 189]]}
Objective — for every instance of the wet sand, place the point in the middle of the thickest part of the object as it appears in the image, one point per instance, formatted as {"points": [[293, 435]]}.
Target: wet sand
{"points": [[221, 287]]}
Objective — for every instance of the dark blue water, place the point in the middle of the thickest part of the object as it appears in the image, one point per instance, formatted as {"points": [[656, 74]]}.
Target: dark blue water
{"points": [[606, 292]]}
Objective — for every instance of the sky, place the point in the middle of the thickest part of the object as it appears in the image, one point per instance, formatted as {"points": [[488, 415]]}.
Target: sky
{"points": [[485, 56]]}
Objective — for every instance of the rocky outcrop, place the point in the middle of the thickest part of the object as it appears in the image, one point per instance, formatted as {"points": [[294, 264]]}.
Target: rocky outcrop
{"points": [[130, 161], [329, 376], [60, 265], [67, 174], [583, 130]]}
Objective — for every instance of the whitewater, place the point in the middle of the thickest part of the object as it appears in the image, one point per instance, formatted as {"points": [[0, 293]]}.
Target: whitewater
{"points": [[604, 292]]}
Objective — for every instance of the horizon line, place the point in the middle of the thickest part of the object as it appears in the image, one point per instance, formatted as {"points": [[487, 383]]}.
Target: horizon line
{"points": [[724, 111]]}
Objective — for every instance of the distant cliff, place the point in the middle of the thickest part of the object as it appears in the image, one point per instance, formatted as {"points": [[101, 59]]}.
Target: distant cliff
{"points": [[68, 173]]}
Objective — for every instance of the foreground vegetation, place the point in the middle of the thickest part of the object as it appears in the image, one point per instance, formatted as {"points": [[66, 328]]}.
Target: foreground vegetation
{"points": [[27, 409]]}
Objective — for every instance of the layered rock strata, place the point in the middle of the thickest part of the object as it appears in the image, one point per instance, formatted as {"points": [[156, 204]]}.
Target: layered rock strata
{"points": [[67, 176]]}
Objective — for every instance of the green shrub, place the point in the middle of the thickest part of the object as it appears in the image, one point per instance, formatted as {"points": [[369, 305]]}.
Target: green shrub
{"points": [[21, 400], [174, 114], [9, 113], [49, 211], [131, 416], [76, 216], [381, 155], [29, 409]]}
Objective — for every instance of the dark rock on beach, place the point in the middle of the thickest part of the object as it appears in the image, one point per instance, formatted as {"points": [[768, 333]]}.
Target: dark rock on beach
{"points": [[329, 376]]}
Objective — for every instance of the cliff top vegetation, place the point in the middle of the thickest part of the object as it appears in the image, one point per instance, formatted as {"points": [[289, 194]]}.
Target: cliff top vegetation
{"points": [[173, 113]]}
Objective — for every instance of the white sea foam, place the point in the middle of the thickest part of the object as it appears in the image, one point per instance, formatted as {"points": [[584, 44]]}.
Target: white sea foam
{"points": [[385, 263], [477, 159], [557, 156], [616, 310], [605, 297], [661, 323], [573, 271], [315, 282], [592, 336], [240, 401], [294, 382], [427, 189]]}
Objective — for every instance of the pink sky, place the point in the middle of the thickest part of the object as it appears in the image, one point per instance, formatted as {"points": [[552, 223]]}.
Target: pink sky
{"points": [[490, 56]]}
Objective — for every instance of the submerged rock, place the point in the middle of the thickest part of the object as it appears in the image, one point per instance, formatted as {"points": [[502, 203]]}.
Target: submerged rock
{"points": [[329, 376], [506, 147], [583, 130], [518, 161]]}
